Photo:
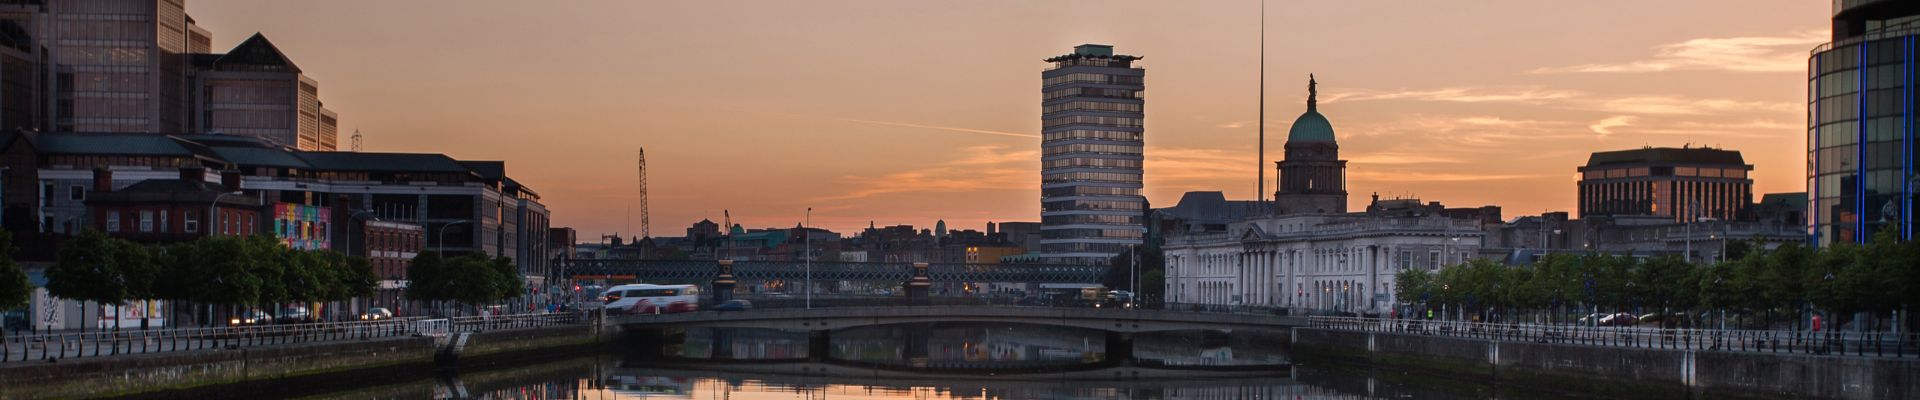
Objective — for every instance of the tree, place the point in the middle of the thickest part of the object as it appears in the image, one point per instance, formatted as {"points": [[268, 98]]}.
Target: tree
{"points": [[507, 275], [15, 290], [355, 277], [470, 280], [86, 271], [1412, 285], [423, 277]]}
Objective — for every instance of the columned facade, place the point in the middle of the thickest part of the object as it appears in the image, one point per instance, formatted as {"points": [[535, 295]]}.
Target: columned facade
{"points": [[1341, 263]]}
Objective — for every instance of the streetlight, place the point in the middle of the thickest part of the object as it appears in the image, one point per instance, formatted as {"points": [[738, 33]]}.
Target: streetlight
{"points": [[442, 248], [809, 255], [213, 210]]}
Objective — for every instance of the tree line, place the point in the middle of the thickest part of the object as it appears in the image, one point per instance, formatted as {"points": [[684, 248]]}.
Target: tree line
{"points": [[1762, 289], [237, 273]]}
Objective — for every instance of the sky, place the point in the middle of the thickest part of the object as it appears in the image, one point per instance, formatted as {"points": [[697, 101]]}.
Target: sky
{"points": [[908, 112]]}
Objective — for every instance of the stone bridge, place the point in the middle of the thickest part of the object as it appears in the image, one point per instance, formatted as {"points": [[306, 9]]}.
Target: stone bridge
{"points": [[828, 319], [696, 271]]}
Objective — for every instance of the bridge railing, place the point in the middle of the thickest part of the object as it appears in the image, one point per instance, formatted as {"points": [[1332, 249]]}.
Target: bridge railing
{"points": [[52, 346], [1848, 343]]}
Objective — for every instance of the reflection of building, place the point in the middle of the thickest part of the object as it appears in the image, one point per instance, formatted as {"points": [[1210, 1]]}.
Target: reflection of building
{"points": [[1681, 184], [1310, 253], [1090, 167], [1860, 137]]}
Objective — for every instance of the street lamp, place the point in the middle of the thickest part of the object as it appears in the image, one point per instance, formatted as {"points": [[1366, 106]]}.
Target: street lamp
{"points": [[213, 210], [809, 255], [442, 248]]}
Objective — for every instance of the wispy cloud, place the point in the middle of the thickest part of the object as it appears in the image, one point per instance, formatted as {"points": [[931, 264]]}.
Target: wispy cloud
{"points": [[1605, 126], [1741, 54], [1675, 105], [1378, 175], [919, 126], [1233, 124], [979, 168], [1393, 158], [1458, 95]]}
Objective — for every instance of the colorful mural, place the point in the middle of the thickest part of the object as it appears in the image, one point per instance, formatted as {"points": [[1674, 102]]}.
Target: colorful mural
{"points": [[302, 226]]}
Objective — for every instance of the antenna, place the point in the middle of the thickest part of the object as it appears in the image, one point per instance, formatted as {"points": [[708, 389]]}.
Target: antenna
{"points": [[1260, 191], [644, 232], [356, 140]]}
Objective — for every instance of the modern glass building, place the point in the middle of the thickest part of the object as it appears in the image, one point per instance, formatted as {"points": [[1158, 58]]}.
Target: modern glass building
{"points": [[1860, 127], [1091, 207]]}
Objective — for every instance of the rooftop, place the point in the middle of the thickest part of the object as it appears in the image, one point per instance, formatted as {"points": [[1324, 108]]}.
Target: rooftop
{"points": [[1667, 155]]}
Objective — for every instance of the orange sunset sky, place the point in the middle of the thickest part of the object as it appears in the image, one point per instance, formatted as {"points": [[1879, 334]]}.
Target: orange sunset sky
{"points": [[904, 112]]}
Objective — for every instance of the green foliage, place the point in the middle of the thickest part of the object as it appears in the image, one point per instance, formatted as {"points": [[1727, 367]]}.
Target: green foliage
{"points": [[507, 276], [15, 290], [356, 278], [89, 269], [424, 275]]}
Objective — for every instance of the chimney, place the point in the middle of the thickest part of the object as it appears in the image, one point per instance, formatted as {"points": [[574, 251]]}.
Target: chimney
{"points": [[230, 180], [193, 174], [102, 180]]}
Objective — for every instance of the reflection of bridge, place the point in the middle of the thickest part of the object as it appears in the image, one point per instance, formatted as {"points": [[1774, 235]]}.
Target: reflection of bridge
{"points": [[820, 374], [685, 271], [826, 319]]}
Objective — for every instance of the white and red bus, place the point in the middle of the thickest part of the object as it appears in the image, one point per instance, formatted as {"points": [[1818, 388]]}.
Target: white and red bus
{"points": [[652, 299]]}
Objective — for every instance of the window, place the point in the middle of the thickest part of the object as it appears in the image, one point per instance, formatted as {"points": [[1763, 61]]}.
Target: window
{"points": [[77, 193], [146, 221], [113, 221], [1433, 260], [164, 228], [46, 196], [192, 222]]}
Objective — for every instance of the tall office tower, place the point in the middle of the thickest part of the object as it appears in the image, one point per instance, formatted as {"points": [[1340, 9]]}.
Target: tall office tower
{"points": [[1090, 200], [1683, 184], [255, 90], [116, 65], [1860, 128]]}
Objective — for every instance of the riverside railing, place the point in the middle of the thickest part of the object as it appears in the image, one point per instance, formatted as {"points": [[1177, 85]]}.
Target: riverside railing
{"points": [[53, 346], [1847, 343]]}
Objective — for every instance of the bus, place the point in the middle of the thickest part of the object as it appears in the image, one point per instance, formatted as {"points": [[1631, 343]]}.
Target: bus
{"points": [[1073, 294], [652, 299]]}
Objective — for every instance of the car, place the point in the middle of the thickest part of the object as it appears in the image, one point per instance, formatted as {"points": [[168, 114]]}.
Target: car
{"points": [[734, 305], [376, 314], [251, 317], [294, 315]]}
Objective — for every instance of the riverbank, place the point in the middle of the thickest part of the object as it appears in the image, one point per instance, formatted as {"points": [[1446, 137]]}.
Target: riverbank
{"points": [[1618, 371], [176, 374]]}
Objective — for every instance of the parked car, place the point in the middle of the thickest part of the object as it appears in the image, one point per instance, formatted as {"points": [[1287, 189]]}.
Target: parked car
{"points": [[734, 305], [294, 315], [1619, 319], [376, 314]]}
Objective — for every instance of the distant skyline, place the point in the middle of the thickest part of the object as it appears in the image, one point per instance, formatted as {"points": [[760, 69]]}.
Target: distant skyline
{"points": [[911, 112]]}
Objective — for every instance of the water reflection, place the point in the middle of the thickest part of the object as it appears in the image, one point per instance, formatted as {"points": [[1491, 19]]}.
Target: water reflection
{"points": [[935, 361]]}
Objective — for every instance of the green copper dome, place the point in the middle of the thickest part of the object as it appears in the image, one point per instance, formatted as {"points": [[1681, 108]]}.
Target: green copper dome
{"points": [[1311, 127]]}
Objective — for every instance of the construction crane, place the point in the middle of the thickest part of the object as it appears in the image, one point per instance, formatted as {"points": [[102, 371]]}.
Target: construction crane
{"points": [[356, 139], [644, 232]]}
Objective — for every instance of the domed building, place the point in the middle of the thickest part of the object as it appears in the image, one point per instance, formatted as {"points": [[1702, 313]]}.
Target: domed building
{"points": [[1312, 178]]}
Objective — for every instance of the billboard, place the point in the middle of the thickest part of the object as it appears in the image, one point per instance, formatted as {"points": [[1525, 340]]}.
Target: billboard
{"points": [[302, 226]]}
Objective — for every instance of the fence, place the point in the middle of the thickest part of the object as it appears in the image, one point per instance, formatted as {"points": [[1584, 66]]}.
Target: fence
{"points": [[1880, 344], [50, 346]]}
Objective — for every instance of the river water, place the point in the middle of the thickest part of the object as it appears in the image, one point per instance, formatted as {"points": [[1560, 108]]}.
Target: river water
{"points": [[930, 361]]}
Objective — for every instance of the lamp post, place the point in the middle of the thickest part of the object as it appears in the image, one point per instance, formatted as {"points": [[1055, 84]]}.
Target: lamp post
{"points": [[213, 211], [442, 248], [809, 255]]}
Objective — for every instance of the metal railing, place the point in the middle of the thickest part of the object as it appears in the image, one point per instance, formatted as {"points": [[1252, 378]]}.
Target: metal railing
{"points": [[51, 346], [1847, 343]]}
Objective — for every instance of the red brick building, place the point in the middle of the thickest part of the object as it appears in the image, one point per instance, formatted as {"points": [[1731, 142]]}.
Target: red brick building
{"points": [[171, 210]]}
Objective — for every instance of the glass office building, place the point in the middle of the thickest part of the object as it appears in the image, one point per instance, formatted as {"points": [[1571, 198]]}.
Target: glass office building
{"points": [[1091, 207], [1860, 133]]}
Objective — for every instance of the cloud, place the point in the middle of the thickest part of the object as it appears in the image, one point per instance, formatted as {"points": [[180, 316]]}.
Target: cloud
{"points": [[1393, 158], [921, 126], [1675, 105], [980, 168], [1740, 54], [1378, 175], [1459, 95], [1233, 125], [1605, 126]]}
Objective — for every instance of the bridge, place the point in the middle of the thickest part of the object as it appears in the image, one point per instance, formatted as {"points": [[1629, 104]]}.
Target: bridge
{"points": [[826, 319], [702, 271]]}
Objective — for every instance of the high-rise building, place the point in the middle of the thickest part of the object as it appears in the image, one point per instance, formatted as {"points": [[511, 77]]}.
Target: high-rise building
{"points": [[116, 65], [1685, 184], [1860, 128], [1091, 207], [255, 90], [1313, 178]]}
